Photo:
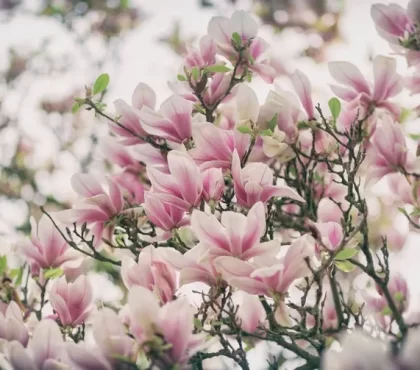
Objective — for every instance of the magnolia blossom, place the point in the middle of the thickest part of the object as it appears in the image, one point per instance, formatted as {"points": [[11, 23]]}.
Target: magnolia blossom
{"points": [[12, 326], [221, 30], [47, 247], [98, 207], [388, 151], [268, 276], [236, 235], [173, 121], [213, 184], [43, 352], [287, 109], [162, 214], [173, 322], [202, 57], [254, 183], [331, 234], [151, 272], [183, 186], [215, 146], [71, 301], [131, 130], [192, 266], [113, 345], [399, 26], [250, 312], [357, 90]]}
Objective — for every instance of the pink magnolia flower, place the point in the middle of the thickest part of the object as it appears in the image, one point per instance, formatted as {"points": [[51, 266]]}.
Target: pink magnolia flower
{"points": [[71, 301], [47, 247], [202, 57], [12, 326], [143, 96], [215, 146], [151, 272], [192, 266], [357, 90], [268, 276], [183, 186], [113, 345], [221, 30], [162, 214], [391, 22], [250, 312], [237, 235], [303, 88], [98, 207], [398, 288], [213, 184], [254, 183], [43, 352], [81, 357], [328, 211], [132, 158], [173, 121], [288, 108], [388, 151], [331, 234], [133, 189], [173, 322]]}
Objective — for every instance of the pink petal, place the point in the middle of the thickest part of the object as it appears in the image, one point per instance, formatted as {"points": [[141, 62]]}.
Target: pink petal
{"points": [[143, 95], [303, 88], [247, 104], [187, 175], [344, 93], [348, 74], [209, 230], [387, 82], [218, 29], [243, 23], [255, 226], [86, 185]]}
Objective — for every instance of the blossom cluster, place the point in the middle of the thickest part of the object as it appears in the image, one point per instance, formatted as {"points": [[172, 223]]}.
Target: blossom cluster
{"points": [[227, 223]]}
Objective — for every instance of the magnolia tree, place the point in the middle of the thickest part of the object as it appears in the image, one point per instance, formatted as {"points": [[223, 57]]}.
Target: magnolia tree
{"points": [[230, 224]]}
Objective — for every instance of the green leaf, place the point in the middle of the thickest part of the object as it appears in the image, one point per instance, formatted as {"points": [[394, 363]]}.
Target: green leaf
{"points": [[53, 273], [124, 4], [101, 83], [195, 73], [386, 311], [266, 132], [404, 115], [245, 129], [18, 274], [335, 107], [403, 211], [3, 264], [345, 266], [217, 68], [273, 122], [236, 39], [414, 136], [197, 324], [75, 107], [415, 212], [181, 78], [345, 254]]}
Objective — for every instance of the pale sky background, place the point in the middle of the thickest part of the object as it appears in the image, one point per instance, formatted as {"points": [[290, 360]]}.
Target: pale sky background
{"points": [[144, 59]]}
